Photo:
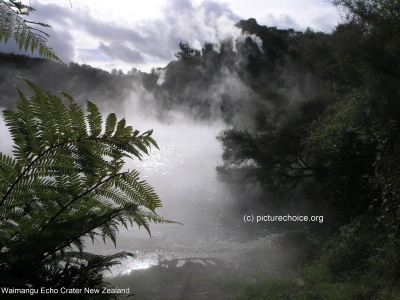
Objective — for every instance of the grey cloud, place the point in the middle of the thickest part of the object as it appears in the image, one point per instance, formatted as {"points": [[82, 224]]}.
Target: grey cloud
{"points": [[156, 40], [62, 43], [121, 52], [145, 40], [107, 31], [219, 9], [52, 14], [60, 39], [180, 5]]}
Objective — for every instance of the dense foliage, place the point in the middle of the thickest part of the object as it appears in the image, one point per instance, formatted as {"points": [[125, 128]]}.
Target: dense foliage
{"points": [[348, 147]]}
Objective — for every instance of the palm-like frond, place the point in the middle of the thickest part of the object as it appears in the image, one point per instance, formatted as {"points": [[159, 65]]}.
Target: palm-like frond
{"points": [[27, 37], [65, 181]]}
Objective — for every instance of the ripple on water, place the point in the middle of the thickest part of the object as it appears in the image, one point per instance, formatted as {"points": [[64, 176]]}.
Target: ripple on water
{"points": [[165, 248]]}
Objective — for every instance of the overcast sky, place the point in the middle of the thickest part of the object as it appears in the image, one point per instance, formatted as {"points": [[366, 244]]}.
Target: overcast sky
{"points": [[144, 34]]}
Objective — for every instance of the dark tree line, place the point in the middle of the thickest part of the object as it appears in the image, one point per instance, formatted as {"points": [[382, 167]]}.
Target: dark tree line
{"points": [[82, 80]]}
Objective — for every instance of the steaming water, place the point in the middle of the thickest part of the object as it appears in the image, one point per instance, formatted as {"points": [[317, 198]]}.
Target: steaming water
{"points": [[183, 174]]}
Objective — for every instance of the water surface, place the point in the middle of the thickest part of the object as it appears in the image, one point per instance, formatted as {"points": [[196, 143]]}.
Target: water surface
{"points": [[183, 174]]}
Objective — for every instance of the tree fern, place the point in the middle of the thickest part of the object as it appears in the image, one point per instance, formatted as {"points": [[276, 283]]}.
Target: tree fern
{"points": [[12, 24], [65, 182]]}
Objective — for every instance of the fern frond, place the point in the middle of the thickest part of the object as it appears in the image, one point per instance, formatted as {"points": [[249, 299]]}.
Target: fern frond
{"points": [[65, 183], [111, 122], [77, 117], [13, 25], [9, 166], [94, 119], [120, 128]]}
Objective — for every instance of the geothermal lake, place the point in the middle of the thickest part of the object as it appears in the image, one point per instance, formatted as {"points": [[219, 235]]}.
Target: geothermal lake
{"points": [[184, 176]]}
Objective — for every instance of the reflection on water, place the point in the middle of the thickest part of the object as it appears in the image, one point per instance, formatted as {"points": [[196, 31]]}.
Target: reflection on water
{"points": [[183, 174]]}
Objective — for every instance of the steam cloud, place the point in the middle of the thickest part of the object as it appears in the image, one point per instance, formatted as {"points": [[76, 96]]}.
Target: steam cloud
{"points": [[108, 45]]}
